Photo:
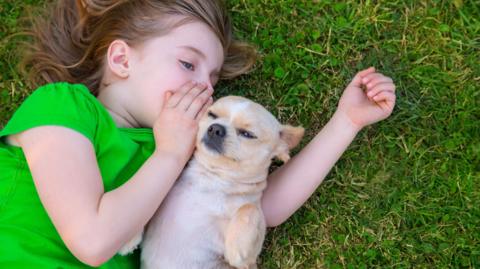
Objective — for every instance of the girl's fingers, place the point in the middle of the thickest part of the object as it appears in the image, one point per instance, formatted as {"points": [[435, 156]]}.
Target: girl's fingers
{"points": [[370, 76], [375, 78], [381, 86], [191, 95], [365, 72], [204, 109], [166, 98], [357, 79], [180, 93], [198, 103], [385, 100], [380, 81]]}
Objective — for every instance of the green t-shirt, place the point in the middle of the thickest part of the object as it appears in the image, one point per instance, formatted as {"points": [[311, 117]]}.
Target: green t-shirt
{"points": [[28, 238]]}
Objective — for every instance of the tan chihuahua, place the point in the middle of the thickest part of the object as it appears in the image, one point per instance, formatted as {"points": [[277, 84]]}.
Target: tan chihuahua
{"points": [[212, 217]]}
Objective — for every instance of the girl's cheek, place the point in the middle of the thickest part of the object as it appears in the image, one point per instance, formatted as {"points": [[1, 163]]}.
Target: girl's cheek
{"points": [[180, 80], [172, 78]]}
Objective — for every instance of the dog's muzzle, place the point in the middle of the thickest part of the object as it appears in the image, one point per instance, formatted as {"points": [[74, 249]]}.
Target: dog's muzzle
{"points": [[214, 137]]}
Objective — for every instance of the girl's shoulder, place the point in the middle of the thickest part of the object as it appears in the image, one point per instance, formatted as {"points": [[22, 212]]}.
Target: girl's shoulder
{"points": [[62, 95], [61, 104]]}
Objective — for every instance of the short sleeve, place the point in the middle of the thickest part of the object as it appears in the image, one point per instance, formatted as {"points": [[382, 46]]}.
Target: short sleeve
{"points": [[60, 104]]}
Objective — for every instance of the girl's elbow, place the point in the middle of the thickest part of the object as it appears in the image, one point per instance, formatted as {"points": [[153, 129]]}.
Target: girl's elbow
{"points": [[90, 252], [272, 218], [91, 261]]}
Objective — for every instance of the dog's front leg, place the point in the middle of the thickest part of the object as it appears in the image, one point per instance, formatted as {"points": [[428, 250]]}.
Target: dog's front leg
{"points": [[244, 237]]}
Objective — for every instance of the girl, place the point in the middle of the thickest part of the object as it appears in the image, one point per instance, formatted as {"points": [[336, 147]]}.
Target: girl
{"points": [[87, 158]]}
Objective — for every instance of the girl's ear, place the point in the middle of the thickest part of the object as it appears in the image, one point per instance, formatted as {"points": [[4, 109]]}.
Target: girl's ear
{"points": [[290, 136], [118, 56]]}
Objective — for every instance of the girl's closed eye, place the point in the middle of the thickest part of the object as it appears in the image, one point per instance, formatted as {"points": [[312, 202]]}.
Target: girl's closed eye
{"points": [[187, 65]]}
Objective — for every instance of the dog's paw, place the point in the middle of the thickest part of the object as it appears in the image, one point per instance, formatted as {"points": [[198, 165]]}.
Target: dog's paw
{"points": [[244, 237], [236, 259], [240, 262]]}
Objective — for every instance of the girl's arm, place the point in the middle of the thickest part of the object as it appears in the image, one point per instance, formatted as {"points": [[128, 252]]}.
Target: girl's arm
{"points": [[93, 224], [293, 183]]}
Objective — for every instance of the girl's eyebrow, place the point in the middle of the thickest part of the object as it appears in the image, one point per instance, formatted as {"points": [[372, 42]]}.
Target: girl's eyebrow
{"points": [[200, 53], [195, 50]]}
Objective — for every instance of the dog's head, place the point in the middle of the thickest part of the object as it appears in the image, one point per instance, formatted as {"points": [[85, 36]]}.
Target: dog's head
{"points": [[240, 137]]}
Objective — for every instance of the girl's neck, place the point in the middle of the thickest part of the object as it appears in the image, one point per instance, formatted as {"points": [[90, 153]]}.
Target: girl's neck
{"points": [[120, 121], [113, 104]]}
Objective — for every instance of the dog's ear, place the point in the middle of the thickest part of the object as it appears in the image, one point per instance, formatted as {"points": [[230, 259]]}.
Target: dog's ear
{"points": [[290, 136]]}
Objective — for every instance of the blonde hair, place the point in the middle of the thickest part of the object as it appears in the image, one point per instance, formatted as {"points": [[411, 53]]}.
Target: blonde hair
{"points": [[71, 40]]}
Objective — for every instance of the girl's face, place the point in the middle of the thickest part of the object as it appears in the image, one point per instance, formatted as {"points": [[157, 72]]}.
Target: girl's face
{"points": [[191, 52]]}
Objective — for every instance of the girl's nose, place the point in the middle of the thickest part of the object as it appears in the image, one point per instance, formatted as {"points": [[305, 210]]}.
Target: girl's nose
{"points": [[207, 82], [209, 85], [205, 78]]}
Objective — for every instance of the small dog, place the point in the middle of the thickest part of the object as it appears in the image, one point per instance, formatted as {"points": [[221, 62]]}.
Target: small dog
{"points": [[212, 217]]}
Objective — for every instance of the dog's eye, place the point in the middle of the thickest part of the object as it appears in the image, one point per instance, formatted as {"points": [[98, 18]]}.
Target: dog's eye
{"points": [[246, 134], [212, 115]]}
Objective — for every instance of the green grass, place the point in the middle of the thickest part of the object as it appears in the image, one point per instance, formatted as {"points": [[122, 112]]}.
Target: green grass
{"points": [[407, 192]]}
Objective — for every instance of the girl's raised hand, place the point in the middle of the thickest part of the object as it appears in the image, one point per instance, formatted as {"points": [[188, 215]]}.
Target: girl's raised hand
{"points": [[176, 127], [370, 97]]}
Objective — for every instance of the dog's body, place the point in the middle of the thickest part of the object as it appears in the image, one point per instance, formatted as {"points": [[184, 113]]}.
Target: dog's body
{"points": [[189, 229], [212, 216]]}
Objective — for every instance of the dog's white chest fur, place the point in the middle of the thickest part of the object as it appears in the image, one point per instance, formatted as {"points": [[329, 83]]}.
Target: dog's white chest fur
{"points": [[188, 230]]}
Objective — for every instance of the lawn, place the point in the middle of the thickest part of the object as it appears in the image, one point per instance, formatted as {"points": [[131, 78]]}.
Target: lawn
{"points": [[407, 191]]}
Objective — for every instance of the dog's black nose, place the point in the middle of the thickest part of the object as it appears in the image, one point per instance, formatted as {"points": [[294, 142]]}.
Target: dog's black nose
{"points": [[216, 130]]}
